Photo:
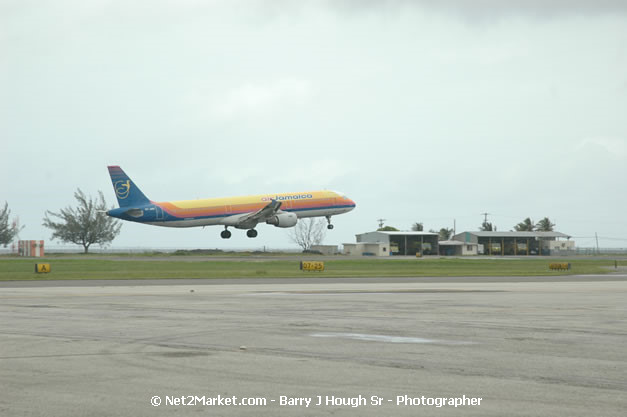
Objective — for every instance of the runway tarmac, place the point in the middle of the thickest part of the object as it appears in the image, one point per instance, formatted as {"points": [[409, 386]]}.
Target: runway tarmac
{"points": [[524, 346]]}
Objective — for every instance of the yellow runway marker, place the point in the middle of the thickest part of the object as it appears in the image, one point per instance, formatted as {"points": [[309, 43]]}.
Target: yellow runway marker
{"points": [[42, 268]]}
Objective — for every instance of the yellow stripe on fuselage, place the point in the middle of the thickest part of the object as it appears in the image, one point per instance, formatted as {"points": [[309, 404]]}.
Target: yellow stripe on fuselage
{"points": [[261, 199]]}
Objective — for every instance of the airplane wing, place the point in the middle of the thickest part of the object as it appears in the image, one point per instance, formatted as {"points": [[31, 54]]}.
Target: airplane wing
{"points": [[250, 220]]}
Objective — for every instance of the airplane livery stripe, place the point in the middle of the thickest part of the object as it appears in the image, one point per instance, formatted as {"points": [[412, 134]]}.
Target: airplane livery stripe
{"points": [[221, 210]]}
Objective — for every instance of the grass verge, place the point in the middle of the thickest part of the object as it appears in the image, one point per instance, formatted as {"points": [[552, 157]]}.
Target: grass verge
{"points": [[24, 269]]}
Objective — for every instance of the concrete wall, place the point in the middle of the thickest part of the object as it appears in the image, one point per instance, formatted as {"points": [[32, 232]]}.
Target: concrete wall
{"points": [[466, 249], [470, 250], [373, 237], [365, 249], [561, 245], [466, 237], [326, 249]]}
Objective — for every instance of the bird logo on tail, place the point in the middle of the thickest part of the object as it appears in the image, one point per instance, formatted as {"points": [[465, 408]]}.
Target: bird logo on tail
{"points": [[122, 189]]}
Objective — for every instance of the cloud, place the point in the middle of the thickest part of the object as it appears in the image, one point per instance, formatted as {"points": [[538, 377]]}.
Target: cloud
{"points": [[316, 172], [250, 100], [490, 9], [617, 147]]}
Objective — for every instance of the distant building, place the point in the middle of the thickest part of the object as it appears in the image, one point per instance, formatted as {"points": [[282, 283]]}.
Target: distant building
{"points": [[393, 243], [367, 249], [33, 248], [326, 249], [518, 243], [457, 248]]}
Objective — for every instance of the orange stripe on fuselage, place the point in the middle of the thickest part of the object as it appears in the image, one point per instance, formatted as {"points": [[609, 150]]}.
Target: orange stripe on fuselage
{"points": [[215, 207]]}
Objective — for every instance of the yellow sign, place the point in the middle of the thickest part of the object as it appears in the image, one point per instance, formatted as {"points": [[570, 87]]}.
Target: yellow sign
{"points": [[560, 266], [42, 268], [312, 266]]}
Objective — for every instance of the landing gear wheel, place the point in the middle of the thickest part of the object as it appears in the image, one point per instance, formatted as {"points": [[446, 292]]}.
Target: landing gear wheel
{"points": [[251, 233], [225, 234], [329, 226]]}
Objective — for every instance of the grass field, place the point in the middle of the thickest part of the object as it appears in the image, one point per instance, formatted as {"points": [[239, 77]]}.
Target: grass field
{"points": [[146, 268]]}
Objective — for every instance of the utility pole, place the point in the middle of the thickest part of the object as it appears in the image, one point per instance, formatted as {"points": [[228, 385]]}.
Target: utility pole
{"points": [[597, 239], [381, 222], [485, 222]]}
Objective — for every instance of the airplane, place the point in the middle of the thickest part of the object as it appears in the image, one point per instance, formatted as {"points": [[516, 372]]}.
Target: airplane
{"points": [[245, 212]]}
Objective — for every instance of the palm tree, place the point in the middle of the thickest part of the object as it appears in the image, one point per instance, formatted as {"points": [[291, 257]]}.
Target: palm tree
{"points": [[445, 233], [486, 227], [417, 227], [525, 226], [545, 225]]}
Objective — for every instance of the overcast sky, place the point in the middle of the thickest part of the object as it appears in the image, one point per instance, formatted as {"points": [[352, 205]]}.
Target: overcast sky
{"points": [[419, 111]]}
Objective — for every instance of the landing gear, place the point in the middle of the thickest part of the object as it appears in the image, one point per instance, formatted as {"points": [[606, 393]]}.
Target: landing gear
{"points": [[251, 233], [225, 234], [329, 226]]}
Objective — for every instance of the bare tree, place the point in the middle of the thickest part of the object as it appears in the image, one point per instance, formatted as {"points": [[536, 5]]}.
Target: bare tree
{"points": [[84, 225], [308, 232], [8, 231]]}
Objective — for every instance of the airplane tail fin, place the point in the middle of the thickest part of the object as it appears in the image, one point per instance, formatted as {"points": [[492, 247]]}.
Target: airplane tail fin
{"points": [[125, 189]]}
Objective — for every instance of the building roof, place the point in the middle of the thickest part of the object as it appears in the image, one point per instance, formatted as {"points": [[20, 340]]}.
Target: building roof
{"points": [[454, 243], [517, 234], [400, 233]]}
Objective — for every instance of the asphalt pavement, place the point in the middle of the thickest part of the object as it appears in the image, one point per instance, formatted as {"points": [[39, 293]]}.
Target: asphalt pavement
{"points": [[522, 346]]}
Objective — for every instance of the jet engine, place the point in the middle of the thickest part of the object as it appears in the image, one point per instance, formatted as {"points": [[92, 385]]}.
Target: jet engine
{"points": [[283, 220]]}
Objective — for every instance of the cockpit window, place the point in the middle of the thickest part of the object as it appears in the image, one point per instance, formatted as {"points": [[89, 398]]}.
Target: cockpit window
{"points": [[340, 194]]}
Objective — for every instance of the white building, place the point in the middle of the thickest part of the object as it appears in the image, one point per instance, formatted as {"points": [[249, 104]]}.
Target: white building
{"points": [[457, 248], [367, 249], [519, 243], [383, 243], [326, 249]]}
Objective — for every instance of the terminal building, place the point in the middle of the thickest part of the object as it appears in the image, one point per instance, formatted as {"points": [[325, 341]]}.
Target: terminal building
{"points": [[518, 243], [382, 243], [457, 248]]}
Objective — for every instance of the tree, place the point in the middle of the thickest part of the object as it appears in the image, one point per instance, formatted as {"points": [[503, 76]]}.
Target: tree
{"points": [[486, 227], [387, 229], [445, 233], [8, 232], [545, 225], [84, 225], [417, 227], [525, 226], [308, 232]]}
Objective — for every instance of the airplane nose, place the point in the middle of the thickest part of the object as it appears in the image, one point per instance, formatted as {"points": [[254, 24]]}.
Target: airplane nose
{"points": [[351, 203]]}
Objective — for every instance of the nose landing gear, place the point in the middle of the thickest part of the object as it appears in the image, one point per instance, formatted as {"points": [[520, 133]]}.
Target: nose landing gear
{"points": [[329, 226]]}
